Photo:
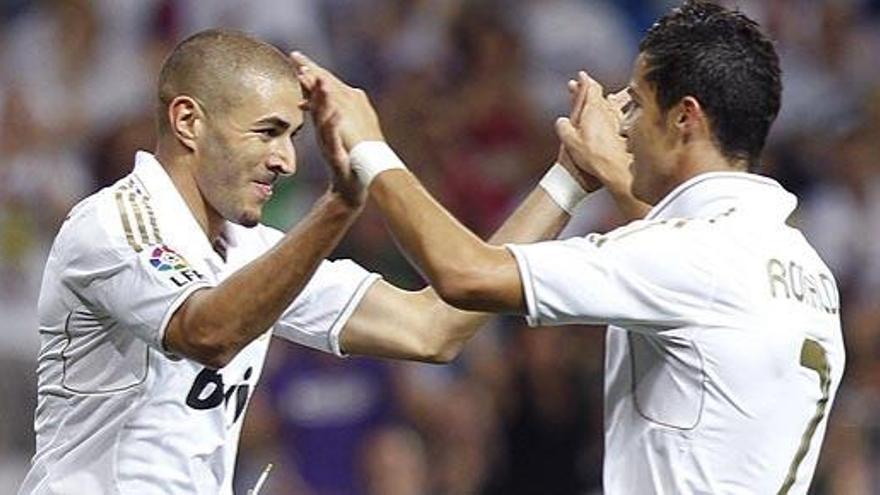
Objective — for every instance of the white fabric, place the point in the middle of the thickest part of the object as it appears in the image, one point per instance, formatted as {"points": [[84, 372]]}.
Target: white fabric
{"points": [[371, 158], [711, 301], [562, 188], [116, 414]]}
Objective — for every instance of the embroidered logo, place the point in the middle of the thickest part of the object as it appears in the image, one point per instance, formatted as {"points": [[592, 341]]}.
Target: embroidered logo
{"points": [[164, 258], [174, 266]]}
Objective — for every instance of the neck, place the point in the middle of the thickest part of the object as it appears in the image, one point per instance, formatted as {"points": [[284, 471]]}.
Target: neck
{"points": [[179, 164], [703, 157]]}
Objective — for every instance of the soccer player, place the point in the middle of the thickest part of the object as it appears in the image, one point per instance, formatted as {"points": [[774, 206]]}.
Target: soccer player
{"points": [[161, 292], [724, 347]]}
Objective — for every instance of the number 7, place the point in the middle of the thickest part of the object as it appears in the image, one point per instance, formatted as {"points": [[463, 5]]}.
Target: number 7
{"points": [[812, 357]]}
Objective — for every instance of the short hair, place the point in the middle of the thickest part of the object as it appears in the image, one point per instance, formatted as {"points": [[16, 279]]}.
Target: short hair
{"points": [[210, 66], [721, 58]]}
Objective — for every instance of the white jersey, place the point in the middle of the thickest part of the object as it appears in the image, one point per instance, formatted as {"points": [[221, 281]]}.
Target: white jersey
{"points": [[116, 412], [724, 350]]}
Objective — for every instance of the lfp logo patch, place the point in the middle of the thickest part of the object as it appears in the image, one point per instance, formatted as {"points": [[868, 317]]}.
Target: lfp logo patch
{"points": [[164, 258]]}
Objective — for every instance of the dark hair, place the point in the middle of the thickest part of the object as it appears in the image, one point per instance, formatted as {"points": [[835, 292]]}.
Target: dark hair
{"points": [[721, 58], [210, 66]]}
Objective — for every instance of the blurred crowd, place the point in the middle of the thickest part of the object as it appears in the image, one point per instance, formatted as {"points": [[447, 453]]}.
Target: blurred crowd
{"points": [[467, 91]]}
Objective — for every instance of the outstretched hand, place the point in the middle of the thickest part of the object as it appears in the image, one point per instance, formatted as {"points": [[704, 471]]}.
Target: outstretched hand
{"points": [[326, 118], [590, 135], [577, 90], [358, 120], [343, 117]]}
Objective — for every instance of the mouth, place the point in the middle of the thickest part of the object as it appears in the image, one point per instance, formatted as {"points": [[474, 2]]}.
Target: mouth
{"points": [[263, 189]]}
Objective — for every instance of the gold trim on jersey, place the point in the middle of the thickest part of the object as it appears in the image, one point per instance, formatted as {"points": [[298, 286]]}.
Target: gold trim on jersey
{"points": [[135, 207], [132, 206], [126, 225]]}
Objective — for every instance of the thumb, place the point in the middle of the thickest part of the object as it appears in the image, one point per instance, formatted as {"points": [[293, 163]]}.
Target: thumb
{"points": [[566, 132]]}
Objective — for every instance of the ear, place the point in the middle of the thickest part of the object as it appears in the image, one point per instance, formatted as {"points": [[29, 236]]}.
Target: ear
{"points": [[689, 118], [185, 117]]}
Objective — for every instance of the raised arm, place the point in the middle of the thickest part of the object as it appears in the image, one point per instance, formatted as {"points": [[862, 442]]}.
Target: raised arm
{"points": [[395, 323], [213, 324], [465, 271]]}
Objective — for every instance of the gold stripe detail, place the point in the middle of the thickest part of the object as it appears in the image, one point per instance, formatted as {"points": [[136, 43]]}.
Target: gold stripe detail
{"points": [[142, 227], [136, 183], [635, 229], [126, 225], [152, 216], [812, 357]]}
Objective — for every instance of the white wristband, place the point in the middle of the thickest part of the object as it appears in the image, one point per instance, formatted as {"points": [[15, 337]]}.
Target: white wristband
{"points": [[371, 158], [562, 188]]}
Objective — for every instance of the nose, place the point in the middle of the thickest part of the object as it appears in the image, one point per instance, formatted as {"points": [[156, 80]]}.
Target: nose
{"points": [[283, 161], [623, 129]]}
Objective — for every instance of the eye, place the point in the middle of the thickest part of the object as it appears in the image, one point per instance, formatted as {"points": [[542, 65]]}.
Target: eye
{"points": [[268, 132], [629, 107]]}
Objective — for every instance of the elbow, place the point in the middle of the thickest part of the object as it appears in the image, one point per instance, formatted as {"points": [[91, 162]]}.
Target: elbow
{"points": [[474, 282], [199, 342], [198, 335], [443, 353], [208, 350], [216, 359], [464, 289], [448, 353]]}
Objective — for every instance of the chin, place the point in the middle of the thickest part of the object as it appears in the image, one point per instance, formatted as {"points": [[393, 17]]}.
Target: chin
{"points": [[249, 218]]}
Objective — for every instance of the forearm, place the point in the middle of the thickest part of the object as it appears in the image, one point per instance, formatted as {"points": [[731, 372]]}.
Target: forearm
{"points": [[438, 244], [538, 218], [420, 326], [214, 324]]}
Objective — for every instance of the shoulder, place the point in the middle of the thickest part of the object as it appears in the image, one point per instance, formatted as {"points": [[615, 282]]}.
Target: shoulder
{"points": [[680, 253], [648, 238], [105, 228]]}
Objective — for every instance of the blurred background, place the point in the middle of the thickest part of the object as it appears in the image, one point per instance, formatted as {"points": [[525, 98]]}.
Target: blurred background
{"points": [[467, 91]]}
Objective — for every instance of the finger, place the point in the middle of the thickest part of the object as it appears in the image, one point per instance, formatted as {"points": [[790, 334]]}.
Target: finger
{"points": [[320, 103], [579, 98], [325, 113], [300, 60], [566, 132], [592, 97], [594, 89], [306, 65], [620, 99], [307, 78], [335, 141]]}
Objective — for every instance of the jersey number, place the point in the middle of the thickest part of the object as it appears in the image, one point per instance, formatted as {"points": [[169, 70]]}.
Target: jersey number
{"points": [[812, 357]]}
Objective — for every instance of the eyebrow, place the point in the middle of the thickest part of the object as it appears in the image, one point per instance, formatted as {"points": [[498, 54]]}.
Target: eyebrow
{"points": [[278, 122], [274, 121], [632, 92]]}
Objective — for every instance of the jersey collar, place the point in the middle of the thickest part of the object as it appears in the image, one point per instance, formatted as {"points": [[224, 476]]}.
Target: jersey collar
{"points": [[714, 193], [159, 186]]}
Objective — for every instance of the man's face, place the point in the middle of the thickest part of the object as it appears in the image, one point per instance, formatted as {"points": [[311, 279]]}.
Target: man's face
{"points": [[246, 148], [650, 138]]}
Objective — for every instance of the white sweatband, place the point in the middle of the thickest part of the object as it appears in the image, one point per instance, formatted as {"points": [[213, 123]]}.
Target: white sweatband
{"points": [[371, 158], [562, 188]]}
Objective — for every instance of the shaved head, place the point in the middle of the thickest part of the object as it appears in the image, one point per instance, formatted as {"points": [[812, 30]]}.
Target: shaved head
{"points": [[216, 68]]}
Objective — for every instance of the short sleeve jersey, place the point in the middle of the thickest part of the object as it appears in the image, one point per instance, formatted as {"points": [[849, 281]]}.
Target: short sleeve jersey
{"points": [[117, 413], [724, 348]]}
